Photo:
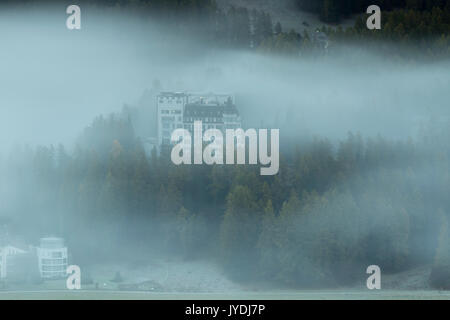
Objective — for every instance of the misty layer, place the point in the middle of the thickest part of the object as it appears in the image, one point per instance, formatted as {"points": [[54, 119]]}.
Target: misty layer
{"points": [[341, 201]]}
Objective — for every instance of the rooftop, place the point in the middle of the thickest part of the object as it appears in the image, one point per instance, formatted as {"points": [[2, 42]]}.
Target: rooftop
{"points": [[52, 242], [172, 94], [212, 110]]}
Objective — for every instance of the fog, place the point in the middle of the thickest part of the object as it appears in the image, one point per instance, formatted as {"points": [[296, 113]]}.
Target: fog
{"points": [[55, 81]]}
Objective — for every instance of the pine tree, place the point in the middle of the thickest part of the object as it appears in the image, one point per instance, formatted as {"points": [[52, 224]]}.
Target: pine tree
{"points": [[278, 28], [268, 244], [239, 233], [440, 274]]}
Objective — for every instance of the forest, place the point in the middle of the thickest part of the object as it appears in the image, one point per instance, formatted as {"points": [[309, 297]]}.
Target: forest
{"points": [[332, 210], [418, 28], [335, 10], [327, 214]]}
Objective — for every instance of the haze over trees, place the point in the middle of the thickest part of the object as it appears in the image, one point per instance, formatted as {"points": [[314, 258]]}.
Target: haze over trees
{"points": [[337, 204], [336, 10], [421, 25], [328, 213]]}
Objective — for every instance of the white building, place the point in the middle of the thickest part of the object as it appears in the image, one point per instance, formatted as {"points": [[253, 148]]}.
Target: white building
{"points": [[52, 258], [170, 114], [180, 110], [6, 255]]}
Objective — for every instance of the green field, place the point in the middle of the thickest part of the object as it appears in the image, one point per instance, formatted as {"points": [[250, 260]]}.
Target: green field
{"points": [[292, 295]]}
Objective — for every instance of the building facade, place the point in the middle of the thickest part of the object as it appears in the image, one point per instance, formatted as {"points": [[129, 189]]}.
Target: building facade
{"points": [[179, 110], [7, 254], [52, 258], [170, 114]]}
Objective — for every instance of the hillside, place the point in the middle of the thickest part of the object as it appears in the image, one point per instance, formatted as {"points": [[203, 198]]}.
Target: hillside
{"points": [[284, 11]]}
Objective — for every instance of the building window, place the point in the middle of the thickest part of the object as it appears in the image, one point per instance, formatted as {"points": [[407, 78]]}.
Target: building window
{"points": [[56, 254]]}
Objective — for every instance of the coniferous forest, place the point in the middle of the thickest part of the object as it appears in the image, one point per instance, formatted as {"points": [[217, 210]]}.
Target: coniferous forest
{"points": [[423, 26], [334, 208], [329, 212]]}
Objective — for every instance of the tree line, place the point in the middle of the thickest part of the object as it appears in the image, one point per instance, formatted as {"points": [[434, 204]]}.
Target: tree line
{"points": [[412, 28], [333, 11], [329, 213]]}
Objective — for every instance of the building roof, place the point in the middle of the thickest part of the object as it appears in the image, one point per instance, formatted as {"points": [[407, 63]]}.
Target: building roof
{"points": [[9, 248], [172, 94], [209, 110], [51, 242]]}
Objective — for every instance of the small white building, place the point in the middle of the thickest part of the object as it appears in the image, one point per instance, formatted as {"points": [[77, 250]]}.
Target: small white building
{"points": [[52, 258], [6, 254], [170, 114]]}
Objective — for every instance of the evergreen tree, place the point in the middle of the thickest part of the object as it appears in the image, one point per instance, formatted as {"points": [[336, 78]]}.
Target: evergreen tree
{"points": [[269, 244], [440, 274], [239, 233], [278, 28]]}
